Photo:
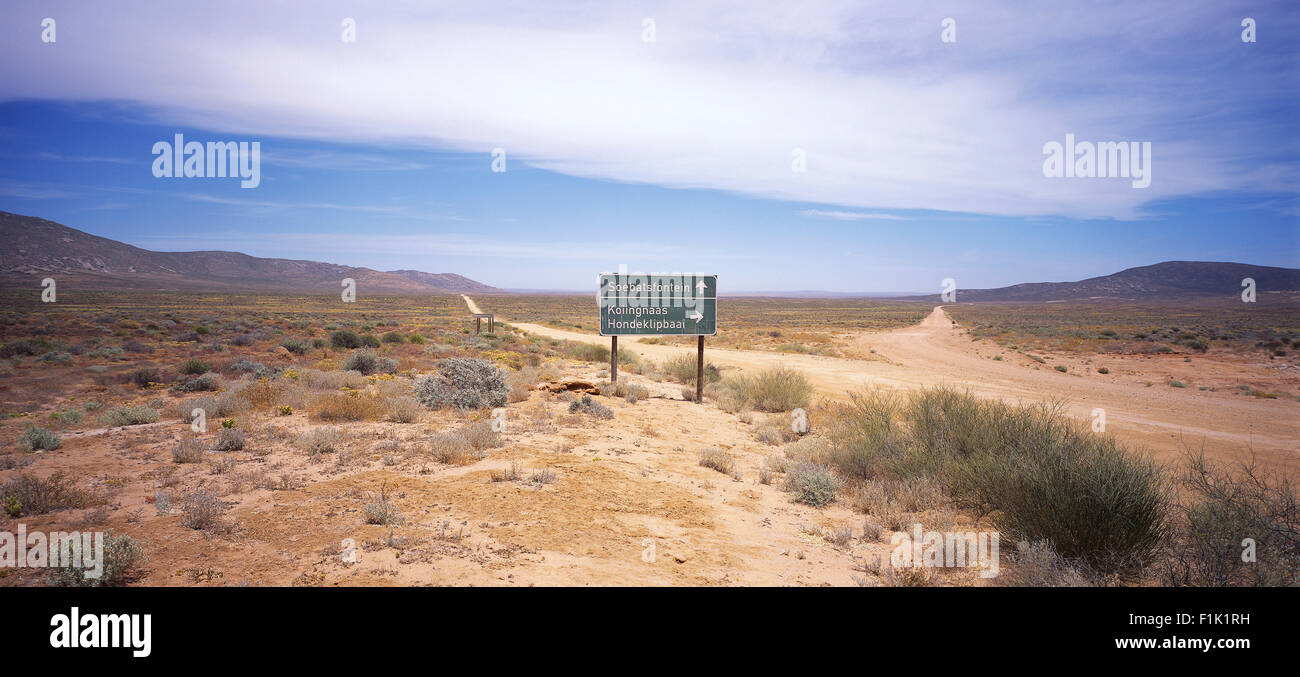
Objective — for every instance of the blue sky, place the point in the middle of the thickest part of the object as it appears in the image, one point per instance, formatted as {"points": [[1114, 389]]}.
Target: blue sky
{"points": [[924, 158]]}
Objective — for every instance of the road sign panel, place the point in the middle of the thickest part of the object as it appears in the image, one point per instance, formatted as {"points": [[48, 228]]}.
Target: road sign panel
{"points": [[633, 304]]}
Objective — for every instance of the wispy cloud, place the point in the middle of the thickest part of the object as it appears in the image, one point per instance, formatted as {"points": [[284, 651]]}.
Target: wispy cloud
{"points": [[850, 216], [465, 245]]}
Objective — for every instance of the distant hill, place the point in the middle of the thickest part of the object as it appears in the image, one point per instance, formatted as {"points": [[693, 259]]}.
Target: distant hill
{"points": [[36, 248], [449, 281], [1168, 280]]}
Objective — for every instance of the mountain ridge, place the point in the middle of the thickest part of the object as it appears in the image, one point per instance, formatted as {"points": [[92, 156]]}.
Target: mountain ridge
{"points": [[39, 247]]}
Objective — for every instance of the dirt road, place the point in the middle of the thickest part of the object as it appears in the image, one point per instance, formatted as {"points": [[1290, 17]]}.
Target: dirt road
{"points": [[1139, 405]]}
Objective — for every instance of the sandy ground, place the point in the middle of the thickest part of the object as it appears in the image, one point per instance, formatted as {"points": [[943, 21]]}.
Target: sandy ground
{"points": [[1140, 407]]}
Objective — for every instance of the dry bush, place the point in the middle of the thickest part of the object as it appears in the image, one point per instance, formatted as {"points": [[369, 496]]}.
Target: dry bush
{"points": [[451, 448], [718, 460], [214, 406], [1036, 565], [1225, 506], [404, 410], [133, 415], [202, 510], [521, 384], [28, 494], [188, 450], [347, 406], [480, 435], [314, 379], [322, 440], [812, 484], [382, 510], [231, 439]]}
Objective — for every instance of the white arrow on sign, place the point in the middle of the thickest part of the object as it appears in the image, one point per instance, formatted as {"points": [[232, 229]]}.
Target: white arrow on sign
{"points": [[695, 316], [699, 287]]}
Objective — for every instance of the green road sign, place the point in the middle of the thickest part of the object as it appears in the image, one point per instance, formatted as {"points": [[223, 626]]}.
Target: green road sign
{"points": [[640, 304]]}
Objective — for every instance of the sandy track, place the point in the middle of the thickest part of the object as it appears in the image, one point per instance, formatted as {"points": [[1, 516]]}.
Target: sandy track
{"points": [[937, 352]]}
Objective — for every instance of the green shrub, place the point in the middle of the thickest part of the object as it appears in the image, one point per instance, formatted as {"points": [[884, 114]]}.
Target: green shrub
{"points": [[295, 346], [1040, 476], [393, 337], [683, 369], [345, 338], [124, 416], [123, 557], [774, 389], [39, 439], [368, 363], [1061, 368], [195, 366]]}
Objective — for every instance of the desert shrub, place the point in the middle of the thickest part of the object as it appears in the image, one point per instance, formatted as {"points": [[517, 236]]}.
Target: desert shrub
{"points": [[416, 339], [105, 352], [369, 341], [214, 406], [1061, 368], [246, 366], [1040, 476], [56, 357], [439, 349], [347, 406], [404, 410], [124, 416], [137, 347], [322, 440], [123, 556], [330, 380], [145, 377], [812, 484], [231, 439], [368, 363], [868, 439], [382, 510], [1103, 370], [33, 495], [19, 348], [464, 383], [591, 408], [204, 383], [682, 369], [202, 510], [344, 338], [194, 366], [295, 346], [392, 337], [1225, 506], [189, 450], [775, 389], [1036, 565], [481, 436], [521, 383], [718, 460], [39, 439], [451, 448]]}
